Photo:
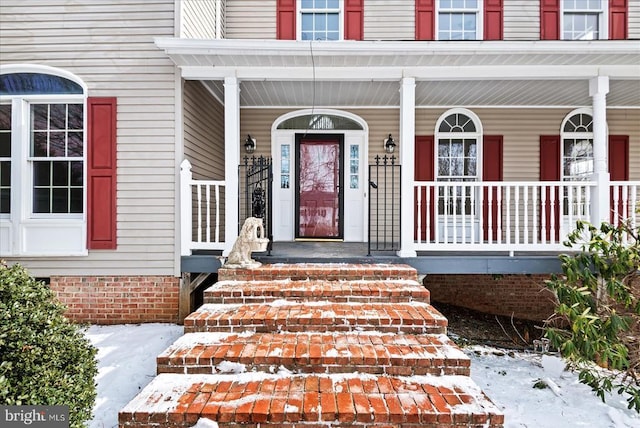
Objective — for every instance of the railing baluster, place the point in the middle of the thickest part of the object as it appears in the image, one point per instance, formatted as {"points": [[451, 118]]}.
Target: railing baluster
{"points": [[508, 196], [419, 215], [525, 209], [199, 205], [534, 208], [208, 219], [516, 235]]}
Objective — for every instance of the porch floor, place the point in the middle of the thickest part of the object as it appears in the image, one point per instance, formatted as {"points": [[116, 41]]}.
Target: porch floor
{"points": [[436, 262]]}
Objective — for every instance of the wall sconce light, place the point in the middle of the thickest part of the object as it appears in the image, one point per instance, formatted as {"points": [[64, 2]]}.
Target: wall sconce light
{"points": [[389, 144], [250, 144]]}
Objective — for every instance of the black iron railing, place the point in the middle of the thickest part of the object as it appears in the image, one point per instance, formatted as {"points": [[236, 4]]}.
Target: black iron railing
{"points": [[255, 177], [384, 204]]}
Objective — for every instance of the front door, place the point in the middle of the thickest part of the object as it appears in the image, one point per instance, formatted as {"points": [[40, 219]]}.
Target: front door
{"points": [[318, 188]]}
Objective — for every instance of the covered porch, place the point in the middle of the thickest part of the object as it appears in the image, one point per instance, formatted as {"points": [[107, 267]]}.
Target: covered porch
{"points": [[518, 217]]}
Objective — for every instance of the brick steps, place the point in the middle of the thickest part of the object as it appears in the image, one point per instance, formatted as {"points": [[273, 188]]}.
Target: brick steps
{"points": [[362, 291], [409, 318], [366, 352], [249, 399], [313, 346]]}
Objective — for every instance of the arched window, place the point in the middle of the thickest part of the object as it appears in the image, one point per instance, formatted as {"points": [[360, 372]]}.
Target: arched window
{"points": [[458, 138], [42, 149], [577, 146]]}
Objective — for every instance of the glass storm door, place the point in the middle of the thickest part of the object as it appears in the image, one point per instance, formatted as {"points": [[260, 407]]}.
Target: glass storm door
{"points": [[319, 202]]}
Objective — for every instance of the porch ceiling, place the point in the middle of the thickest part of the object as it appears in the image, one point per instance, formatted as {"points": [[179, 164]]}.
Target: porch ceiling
{"points": [[276, 73]]}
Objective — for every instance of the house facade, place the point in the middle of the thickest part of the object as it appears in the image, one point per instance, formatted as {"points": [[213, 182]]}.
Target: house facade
{"points": [[465, 135]]}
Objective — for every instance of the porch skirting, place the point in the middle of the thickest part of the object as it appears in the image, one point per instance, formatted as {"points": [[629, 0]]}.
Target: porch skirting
{"points": [[118, 299], [520, 296]]}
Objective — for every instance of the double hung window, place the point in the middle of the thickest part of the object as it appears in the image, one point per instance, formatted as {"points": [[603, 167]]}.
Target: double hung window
{"points": [[583, 19], [459, 20], [320, 19]]}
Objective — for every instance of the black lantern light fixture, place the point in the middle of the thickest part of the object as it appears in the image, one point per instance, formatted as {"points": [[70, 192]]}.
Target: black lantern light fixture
{"points": [[389, 144], [250, 144]]}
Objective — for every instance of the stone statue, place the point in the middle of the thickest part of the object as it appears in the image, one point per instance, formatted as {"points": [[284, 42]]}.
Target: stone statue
{"points": [[251, 239]]}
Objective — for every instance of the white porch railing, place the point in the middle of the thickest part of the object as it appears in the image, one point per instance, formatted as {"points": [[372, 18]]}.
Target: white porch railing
{"points": [[509, 216], [201, 215]]}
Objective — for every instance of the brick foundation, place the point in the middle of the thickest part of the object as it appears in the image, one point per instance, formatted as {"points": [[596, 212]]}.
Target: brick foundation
{"points": [[118, 299], [520, 296]]}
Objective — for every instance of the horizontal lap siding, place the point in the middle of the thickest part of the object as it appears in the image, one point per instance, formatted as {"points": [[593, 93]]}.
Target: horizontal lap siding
{"points": [[521, 20], [627, 122], [109, 44], [198, 19], [250, 19], [634, 20], [389, 20]]}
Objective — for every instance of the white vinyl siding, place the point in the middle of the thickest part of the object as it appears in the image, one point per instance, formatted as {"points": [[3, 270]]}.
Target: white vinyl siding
{"points": [[521, 20], [250, 19], [634, 20], [198, 19], [389, 20], [109, 44]]}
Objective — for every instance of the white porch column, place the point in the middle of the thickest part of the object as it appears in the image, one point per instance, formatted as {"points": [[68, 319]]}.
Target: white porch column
{"points": [[407, 160], [598, 89], [231, 160]]}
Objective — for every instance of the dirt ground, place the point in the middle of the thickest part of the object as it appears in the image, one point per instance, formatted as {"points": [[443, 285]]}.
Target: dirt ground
{"points": [[469, 327]]}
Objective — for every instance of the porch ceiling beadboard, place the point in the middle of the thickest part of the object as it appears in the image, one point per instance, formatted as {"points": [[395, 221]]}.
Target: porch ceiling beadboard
{"points": [[365, 73]]}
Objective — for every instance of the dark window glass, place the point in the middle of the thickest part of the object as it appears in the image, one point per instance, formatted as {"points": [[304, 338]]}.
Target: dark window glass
{"points": [[60, 174], [60, 200], [42, 173], [5, 201], [36, 83], [41, 199]]}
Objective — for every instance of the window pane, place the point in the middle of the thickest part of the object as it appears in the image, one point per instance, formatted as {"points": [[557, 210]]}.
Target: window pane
{"points": [[39, 116], [307, 4], [74, 144], [42, 173], [5, 117], [58, 116], [57, 145], [41, 199], [75, 116], [5, 201], [60, 174], [5, 144], [333, 23], [333, 4], [60, 200], [5, 173], [76, 201], [76, 174]]}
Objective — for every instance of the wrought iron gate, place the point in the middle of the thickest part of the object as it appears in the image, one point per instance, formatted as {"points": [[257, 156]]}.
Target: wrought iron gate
{"points": [[384, 204], [255, 178]]}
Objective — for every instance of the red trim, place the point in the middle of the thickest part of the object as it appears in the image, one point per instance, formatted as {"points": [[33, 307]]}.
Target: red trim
{"points": [[492, 161], [618, 168], [286, 20], [618, 19], [354, 19], [550, 171], [424, 171], [425, 19], [101, 173], [549, 19], [493, 20]]}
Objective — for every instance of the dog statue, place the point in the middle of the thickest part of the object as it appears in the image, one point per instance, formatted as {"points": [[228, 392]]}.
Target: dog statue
{"points": [[251, 239]]}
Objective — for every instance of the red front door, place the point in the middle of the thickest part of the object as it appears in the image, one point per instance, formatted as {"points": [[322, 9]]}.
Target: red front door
{"points": [[318, 187]]}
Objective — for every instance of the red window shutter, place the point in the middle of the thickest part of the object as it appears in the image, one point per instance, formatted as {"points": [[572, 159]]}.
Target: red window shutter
{"points": [[618, 19], [286, 20], [491, 171], [619, 171], [101, 173], [550, 171], [425, 19], [493, 20], [424, 171], [353, 20], [549, 19]]}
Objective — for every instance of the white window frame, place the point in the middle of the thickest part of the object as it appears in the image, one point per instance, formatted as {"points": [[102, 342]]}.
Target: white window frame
{"points": [[339, 10], [479, 19], [603, 19], [23, 232]]}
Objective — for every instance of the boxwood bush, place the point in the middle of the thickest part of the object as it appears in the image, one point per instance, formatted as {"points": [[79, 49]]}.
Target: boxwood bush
{"points": [[44, 358]]}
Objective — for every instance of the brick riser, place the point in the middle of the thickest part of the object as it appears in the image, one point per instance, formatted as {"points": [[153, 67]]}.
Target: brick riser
{"points": [[311, 401], [404, 355], [362, 291], [408, 318], [320, 271]]}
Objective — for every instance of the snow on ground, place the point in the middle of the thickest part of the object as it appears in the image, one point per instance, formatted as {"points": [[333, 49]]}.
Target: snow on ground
{"points": [[127, 353]]}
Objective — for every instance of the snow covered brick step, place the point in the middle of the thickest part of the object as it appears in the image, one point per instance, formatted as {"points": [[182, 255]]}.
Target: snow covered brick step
{"points": [[322, 316], [375, 353], [292, 401], [308, 290], [322, 271]]}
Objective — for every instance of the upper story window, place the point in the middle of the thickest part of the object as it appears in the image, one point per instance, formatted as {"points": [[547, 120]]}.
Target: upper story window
{"points": [[320, 19], [584, 19], [459, 20]]}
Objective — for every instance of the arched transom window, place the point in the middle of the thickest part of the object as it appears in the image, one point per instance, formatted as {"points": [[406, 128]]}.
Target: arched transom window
{"points": [[577, 146]]}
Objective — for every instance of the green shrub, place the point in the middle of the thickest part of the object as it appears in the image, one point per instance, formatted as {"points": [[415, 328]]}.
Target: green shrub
{"points": [[45, 359], [597, 319]]}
